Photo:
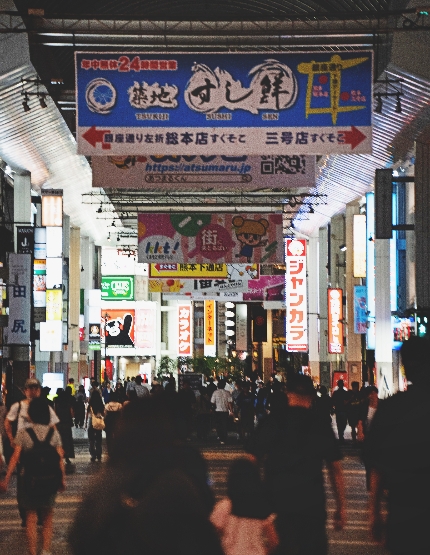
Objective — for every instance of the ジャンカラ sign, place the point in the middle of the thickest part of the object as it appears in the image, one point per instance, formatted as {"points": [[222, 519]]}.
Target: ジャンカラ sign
{"points": [[296, 299], [228, 104]]}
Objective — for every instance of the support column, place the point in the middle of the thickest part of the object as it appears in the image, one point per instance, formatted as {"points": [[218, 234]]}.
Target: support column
{"points": [[21, 201], [313, 303], [383, 327], [74, 299], [422, 220], [323, 309], [353, 349]]}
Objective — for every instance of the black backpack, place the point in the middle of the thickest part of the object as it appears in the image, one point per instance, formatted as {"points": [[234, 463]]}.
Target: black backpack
{"points": [[41, 464]]}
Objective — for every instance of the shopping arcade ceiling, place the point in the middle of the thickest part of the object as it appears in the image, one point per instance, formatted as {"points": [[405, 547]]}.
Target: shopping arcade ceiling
{"points": [[62, 28]]}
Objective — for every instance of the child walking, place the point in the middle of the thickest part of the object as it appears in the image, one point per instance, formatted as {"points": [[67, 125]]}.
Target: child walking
{"points": [[243, 519]]}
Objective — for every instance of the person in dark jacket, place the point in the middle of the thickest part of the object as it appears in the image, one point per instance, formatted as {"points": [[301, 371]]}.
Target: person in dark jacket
{"points": [[153, 480], [63, 407], [397, 449], [340, 399], [294, 442]]}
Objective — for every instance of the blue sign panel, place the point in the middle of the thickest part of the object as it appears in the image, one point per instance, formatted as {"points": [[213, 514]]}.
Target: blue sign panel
{"points": [[304, 103], [360, 309]]}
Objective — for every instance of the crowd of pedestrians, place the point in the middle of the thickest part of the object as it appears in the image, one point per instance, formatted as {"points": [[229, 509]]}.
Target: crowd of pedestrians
{"points": [[275, 493]]}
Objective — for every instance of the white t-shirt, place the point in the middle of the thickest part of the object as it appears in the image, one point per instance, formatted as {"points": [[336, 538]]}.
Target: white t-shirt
{"points": [[23, 420], [221, 399]]}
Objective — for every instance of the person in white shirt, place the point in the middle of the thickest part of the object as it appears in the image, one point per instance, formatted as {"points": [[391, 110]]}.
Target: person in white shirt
{"points": [[223, 403], [19, 413]]}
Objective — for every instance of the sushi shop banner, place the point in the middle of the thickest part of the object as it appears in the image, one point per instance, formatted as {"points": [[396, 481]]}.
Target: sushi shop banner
{"points": [[197, 238], [224, 103], [220, 172]]}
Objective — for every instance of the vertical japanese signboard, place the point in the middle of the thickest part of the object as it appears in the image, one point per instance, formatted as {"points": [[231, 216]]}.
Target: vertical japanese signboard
{"points": [[296, 300], [145, 328], [359, 245], [185, 334], [25, 239], [335, 323], [224, 104], [360, 309], [241, 327], [20, 274], [210, 328]]}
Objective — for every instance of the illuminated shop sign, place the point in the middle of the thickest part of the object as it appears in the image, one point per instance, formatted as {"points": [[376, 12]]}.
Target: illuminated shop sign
{"points": [[335, 321], [359, 244], [52, 207], [185, 335], [296, 300], [210, 328], [117, 288]]}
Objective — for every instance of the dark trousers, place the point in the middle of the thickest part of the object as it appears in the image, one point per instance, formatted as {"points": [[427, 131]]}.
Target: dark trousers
{"points": [[95, 439], [19, 494], [221, 423], [301, 534], [341, 421]]}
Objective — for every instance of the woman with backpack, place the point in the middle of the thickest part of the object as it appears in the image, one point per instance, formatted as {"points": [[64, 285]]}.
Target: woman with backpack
{"points": [[39, 452]]}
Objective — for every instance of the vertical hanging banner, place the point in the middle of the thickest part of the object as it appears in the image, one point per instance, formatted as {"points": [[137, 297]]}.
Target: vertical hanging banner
{"points": [[20, 278], [241, 327], [228, 104], [216, 237], [185, 335], [210, 328], [335, 324], [296, 299], [145, 328], [359, 245], [360, 309]]}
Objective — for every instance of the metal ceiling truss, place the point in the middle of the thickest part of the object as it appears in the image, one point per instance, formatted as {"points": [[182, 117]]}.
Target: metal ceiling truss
{"points": [[84, 32], [128, 204]]}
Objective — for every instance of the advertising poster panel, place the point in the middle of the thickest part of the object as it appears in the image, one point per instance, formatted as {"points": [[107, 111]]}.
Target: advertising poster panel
{"points": [[296, 300], [227, 103], [295, 172], [118, 329], [192, 237]]}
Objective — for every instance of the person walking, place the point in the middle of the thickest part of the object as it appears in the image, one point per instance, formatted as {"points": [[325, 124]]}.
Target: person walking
{"points": [[294, 442], [112, 415], [242, 519], [340, 398], [18, 419], [222, 401], [353, 408], [81, 399], [39, 457], [64, 410], [95, 408], [397, 449]]}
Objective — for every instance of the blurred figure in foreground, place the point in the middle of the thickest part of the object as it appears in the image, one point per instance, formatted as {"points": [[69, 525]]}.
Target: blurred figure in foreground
{"points": [[152, 480], [397, 448], [243, 519], [297, 441]]}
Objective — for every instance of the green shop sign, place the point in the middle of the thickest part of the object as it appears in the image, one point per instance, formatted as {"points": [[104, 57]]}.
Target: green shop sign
{"points": [[117, 288]]}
